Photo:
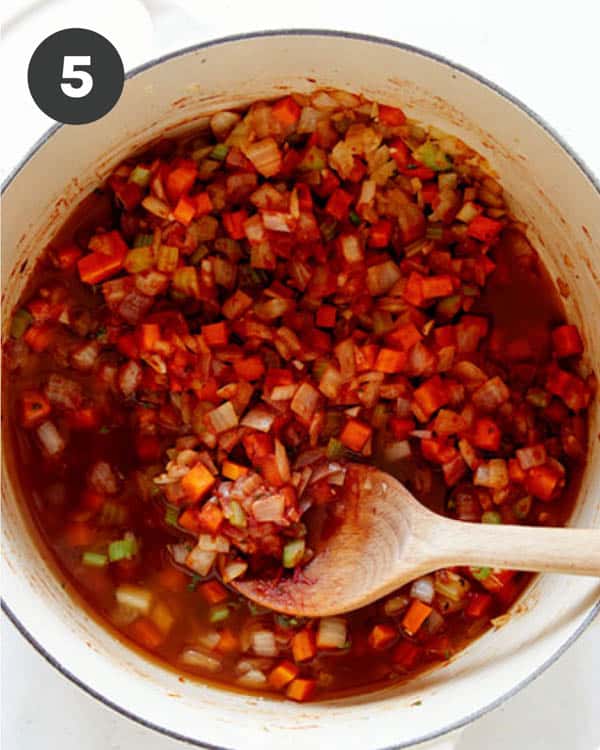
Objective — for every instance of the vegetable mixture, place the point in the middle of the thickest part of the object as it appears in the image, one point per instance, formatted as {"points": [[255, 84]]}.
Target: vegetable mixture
{"points": [[234, 316]]}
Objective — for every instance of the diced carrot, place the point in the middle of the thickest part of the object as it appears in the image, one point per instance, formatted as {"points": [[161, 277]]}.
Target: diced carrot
{"points": [[365, 357], [486, 434], [437, 286], [484, 229], [228, 643], [145, 632], [406, 655], [210, 518], [233, 221], [172, 579], [304, 646], [231, 470], [190, 521], [543, 482], [84, 418], [216, 334], [79, 535], [204, 204], [180, 180], [96, 267], [149, 336], [67, 256], [197, 482], [382, 636], [39, 337], [431, 396], [430, 193], [438, 450], [325, 317], [35, 406], [286, 111], [185, 210], [109, 243], [301, 689], [416, 615], [401, 427], [478, 605], [390, 361], [391, 115], [567, 341], [405, 336], [515, 472], [214, 592], [283, 673], [355, 434], [413, 290], [338, 204], [380, 233], [250, 368]]}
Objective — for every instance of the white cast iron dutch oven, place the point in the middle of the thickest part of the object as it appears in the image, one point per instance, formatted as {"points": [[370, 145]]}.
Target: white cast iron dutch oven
{"points": [[547, 187]]}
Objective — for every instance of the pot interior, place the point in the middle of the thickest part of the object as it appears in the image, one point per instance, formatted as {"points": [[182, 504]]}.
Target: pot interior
{"points": [[545, 187]]}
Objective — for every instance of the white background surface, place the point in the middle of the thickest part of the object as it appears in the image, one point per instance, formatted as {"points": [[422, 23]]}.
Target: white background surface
{"points": [[545, 53]]}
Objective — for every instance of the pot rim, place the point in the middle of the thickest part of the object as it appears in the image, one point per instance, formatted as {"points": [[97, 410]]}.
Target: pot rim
{"points": [[308, 32]]}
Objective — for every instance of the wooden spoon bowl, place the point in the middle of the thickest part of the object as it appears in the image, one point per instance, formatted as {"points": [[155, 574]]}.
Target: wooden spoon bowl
{"points": [[386, 538]]}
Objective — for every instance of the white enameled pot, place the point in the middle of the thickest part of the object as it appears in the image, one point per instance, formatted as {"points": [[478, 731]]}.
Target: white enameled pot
{"points": [[546, 186]]}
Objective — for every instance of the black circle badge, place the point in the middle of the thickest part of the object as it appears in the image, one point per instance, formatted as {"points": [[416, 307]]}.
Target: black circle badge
{"points": [[76, 76]]}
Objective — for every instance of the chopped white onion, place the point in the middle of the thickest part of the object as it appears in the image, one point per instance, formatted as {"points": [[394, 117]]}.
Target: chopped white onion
{"points": [[134, 597], [200, 561], [223, 418], [423, 589], [50, 438], [260, 418], [263, 643], [194, 658], [332, 632]]}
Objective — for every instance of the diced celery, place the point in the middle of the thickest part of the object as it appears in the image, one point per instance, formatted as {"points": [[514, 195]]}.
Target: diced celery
{"points": [[380, 416], [219, 152], [319, 368], [94, 559], [139, 259], [355, 218], [491, 516], [481, 573], [335, 449], [21, 321], [431, 155], [235, 515], [198, 254], [328, 229], [293, 552], [314, 159], [122, 549], [141, 240], [449, 306], [140, 175], [522, 507], [434, 233], [219, 613], [171, 515]]}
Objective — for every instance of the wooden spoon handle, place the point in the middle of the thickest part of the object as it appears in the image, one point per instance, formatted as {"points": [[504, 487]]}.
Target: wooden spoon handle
{"points": [[543, 550]]}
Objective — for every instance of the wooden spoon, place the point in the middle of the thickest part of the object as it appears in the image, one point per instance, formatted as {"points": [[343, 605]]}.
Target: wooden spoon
{"points": [[386, 538]]}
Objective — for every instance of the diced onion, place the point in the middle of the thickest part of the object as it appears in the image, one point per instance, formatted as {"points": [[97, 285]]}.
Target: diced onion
{"points": [[533, 455], [134, 597], [208, 543], [269, 508], [200, 561], [194, 658], [283, 464], [492, 474], [260, 418], [102, 478], [254, 678], [50, 438], [332, 632], [234, 570], [397, 450], [263, 643], [305, 401], [422, 589], [223, 418]]}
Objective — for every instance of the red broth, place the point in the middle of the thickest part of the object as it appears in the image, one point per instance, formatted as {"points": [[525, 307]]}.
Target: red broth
{"points": [[152, 454]]}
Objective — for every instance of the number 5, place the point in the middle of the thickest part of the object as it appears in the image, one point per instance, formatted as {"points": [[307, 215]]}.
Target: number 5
{"points": [[86, 82]]}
